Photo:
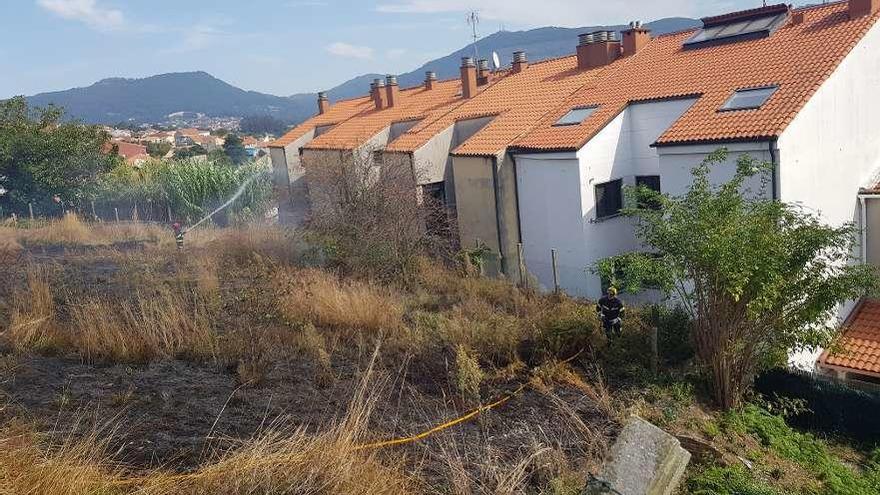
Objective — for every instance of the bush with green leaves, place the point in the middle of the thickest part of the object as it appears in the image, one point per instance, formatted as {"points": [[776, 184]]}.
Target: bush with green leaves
{"points": [[191, 188], [757, 276]]}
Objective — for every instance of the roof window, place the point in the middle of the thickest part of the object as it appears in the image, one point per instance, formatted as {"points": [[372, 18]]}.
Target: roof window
{"points": [[576, 115], [748, 99], [749, 24]]}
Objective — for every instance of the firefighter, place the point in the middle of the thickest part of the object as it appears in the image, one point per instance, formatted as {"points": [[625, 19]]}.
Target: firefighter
{"points": [[610, 310], [178, 234]]}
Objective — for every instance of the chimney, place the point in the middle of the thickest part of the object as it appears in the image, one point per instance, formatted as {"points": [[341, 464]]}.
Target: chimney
{"points": [[468, 78], [597, 49], [323, 103], [860, 8], [483, 73], [430, 79], [520, 62], [635, 38], [392, 91], [379, 97]]}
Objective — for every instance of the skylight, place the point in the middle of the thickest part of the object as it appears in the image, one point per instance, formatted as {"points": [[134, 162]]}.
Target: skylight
{"points": [[576, 115], [725, 29], [749, 99]]}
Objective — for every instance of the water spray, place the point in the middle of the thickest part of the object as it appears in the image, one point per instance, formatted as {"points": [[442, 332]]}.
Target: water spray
{"points": [[179, 232]]}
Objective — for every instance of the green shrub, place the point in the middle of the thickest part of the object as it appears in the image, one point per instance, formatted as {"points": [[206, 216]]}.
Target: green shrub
{"points": [[806, 450], [727, 481]]}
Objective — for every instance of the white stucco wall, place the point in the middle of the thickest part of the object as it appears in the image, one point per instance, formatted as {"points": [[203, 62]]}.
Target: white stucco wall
{"points": [[832, 147], [558, 200], [290, 183]]}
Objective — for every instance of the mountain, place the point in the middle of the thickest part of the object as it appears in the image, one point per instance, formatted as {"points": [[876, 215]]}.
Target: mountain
{"points": [[539, 44], [153, 98]]}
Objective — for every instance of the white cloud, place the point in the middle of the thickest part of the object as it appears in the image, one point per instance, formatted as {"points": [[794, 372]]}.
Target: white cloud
{"points": [[86, 11], [341, 49], [562, 12], [395, 53]]}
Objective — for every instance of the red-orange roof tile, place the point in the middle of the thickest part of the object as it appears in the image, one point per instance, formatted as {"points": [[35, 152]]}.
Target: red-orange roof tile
{"points": [[416, 103], [798, 58], [338, 112], [519, 101], [858, 348]]}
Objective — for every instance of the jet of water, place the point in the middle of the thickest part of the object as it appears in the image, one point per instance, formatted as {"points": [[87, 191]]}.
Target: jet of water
{"points": [[227, 203]]}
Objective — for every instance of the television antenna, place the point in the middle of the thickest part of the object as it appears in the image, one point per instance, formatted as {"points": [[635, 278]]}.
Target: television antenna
{"points": [[473, 19]]}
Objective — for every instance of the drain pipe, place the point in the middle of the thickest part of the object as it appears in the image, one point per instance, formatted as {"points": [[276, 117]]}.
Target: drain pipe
{"points": [[774, 168], [863, 222]]}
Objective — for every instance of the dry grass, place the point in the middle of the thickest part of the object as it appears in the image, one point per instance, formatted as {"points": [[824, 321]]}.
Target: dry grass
{"points": [[280, 461], [322, 299], [73, 467], [165, 325], [33, 324]]}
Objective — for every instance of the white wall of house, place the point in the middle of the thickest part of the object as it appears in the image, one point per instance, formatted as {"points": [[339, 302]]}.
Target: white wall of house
{"points": [[832, 147], [557, 196], [678, 162]]}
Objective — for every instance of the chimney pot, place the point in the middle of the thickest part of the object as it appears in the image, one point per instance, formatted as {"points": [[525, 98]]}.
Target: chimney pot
{"points": [[379, 95], [597, 49], [860, 8], [520, 62], [635, 38], [323, 103], [430, 79], [392, 91], [468, 78], [483, 73]]}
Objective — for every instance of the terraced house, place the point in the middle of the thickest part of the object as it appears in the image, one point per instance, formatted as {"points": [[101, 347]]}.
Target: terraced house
{"points": [[538, 153]]}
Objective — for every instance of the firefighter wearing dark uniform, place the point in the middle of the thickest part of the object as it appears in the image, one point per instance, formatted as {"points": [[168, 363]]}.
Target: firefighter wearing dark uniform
{"points": [[610, 309], [178, 234]]}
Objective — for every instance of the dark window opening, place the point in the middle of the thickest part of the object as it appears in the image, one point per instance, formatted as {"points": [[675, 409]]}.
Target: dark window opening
{"points": [[717, 31], [575, 116], [652, 182], [609, 198], [378, 157], [749, 99]]}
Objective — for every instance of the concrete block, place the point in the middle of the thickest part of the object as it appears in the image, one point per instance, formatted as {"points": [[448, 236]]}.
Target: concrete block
{"points": [[645, 460]]}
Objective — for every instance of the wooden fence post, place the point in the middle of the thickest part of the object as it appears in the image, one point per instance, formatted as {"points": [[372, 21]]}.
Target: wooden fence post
{"points": [[94, 214], [655, 351], [522, 265], [555, 271], [170, 219], [116, 213], [31, 210]]}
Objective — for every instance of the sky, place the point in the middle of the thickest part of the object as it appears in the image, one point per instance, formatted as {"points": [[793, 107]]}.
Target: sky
{"points": [[281, 47]]}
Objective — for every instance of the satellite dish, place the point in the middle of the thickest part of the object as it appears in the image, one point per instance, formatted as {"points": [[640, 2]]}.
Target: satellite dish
{"points": [[496, 61]]}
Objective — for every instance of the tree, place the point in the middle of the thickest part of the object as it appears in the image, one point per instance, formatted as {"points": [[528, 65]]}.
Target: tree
{"points": [[42, 156], [234, 149], [262, 124], [158, 150], [372, 214], [189, 152], [759, 277]]}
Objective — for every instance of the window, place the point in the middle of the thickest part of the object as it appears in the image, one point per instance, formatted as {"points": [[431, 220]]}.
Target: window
{"points": [[716, 32], [575, 116], [748, 99], [609, 199], [652, 182], [378, 157]]}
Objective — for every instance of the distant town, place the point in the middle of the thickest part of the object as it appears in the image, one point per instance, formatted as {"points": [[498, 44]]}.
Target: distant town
{"points": [[183, 135]]}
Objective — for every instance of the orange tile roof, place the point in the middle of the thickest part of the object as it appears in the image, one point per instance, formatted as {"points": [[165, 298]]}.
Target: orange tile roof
{"points": [[338, 112], [519, 101], [858, 348], [415, 103], [798, 58]]}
